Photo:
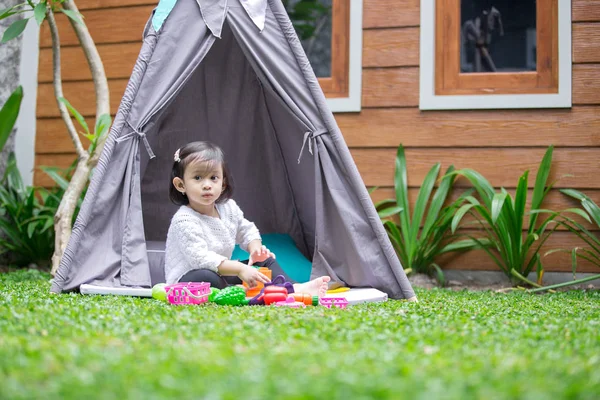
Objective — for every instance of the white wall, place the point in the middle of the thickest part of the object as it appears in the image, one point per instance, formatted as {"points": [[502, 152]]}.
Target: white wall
{"points": [[25, 135]]}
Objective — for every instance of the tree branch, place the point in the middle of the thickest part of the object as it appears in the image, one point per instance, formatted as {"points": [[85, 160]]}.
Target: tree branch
{"points": [[98, 74], [58, 92]]}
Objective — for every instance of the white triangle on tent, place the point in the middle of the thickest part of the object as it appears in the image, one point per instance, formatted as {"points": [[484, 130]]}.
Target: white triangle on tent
{"points": [[256, 10]]}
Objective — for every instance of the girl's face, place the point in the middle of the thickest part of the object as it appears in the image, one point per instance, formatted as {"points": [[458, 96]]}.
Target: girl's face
{"points": [[203, 184]]}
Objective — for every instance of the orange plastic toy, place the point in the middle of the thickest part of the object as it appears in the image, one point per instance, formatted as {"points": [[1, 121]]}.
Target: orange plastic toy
{"points": [[251, 292], [306, 299]]}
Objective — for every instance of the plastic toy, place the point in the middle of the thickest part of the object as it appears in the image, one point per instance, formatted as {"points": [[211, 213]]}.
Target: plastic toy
{"points": [[278, 281], [338, 290], [159, 292], [273, 294], [306, 299], [213, 293], [290, 302], [333, 302], [188, 293], [231, 296], [251, 292]]}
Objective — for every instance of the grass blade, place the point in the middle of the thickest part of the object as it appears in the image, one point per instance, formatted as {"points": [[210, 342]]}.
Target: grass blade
{"points": [[592, 209], [576, 194], [388, 212], [559, 285], [401, 188], [460, 214], [520, 199], [440, 274], [438, 200], [483, 187], [423, 200], [540, 184], [497, 204], [541, 179]]}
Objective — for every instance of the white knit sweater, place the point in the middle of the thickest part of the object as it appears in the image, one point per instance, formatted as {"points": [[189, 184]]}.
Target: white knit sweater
{"points": [[196, 241]]}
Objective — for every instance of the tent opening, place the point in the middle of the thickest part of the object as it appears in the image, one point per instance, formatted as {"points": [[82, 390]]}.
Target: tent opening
{"points": [[225, 102]]}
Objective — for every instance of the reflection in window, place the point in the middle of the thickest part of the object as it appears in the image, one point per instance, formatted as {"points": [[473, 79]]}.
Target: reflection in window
{"points": [[498, 35], [312, 21]]}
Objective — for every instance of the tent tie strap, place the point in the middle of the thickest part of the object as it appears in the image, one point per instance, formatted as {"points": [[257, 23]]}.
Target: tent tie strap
{"points": [[141, 135], [309, 137]]}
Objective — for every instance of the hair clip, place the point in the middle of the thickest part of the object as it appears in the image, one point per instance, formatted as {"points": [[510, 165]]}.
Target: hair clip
{"points": [[176, 158]]}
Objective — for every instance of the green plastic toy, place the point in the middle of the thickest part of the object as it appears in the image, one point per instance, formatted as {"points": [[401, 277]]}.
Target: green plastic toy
{"points": [[230, 296], [213, 293]]}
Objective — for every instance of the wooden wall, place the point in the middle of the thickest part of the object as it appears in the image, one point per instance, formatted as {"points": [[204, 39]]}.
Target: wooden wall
{"points": [[499, 144]]}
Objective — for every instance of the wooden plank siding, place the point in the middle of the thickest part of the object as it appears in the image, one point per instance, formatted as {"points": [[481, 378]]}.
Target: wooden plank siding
{"points": [[500, 144]]}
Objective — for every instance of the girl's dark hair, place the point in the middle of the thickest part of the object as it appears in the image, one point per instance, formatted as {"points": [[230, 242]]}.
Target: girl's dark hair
{"points": [[199, 152]]}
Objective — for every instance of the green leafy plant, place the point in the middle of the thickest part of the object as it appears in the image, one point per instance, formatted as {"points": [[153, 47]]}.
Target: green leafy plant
{"points": [[101, 128], [27, 218], [33, 10], [503, 220], [419, 240], [46, 10], [591, 254], [9, 114], [27, 212]]}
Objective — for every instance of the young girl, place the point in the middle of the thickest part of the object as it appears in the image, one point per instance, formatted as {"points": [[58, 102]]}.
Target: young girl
{"points": [[207, 226]]}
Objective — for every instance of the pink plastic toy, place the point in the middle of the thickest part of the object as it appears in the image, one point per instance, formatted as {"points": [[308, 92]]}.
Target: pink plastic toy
{"points": [[333, 302], [188, 293], [290, 302]]}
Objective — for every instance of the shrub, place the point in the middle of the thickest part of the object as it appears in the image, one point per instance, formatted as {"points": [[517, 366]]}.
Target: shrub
{"points": [[502, 218], [418, 246]]}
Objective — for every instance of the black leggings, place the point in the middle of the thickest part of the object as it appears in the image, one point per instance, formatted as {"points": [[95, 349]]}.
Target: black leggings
{"points": [[220, 282]]}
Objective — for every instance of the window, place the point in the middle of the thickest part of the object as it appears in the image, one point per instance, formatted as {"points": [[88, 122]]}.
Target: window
{"points": [[331, 34], [495, 54]]}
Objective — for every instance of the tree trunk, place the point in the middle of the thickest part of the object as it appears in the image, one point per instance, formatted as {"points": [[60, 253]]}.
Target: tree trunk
{"points": [[64, 215]]}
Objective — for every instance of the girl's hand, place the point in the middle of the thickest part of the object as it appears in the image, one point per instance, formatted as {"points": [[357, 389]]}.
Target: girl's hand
{"points": [[260, 254], [251, 276]]}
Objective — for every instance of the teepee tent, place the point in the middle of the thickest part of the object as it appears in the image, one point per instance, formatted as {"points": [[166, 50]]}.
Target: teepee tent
{"points": [[232, 72]]}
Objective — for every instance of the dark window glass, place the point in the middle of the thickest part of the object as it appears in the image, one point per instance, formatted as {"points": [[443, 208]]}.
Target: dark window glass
{"points": [[498, 35], [312, 21]]}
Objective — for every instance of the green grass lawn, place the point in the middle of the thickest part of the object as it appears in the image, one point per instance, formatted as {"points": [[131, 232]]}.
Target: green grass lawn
{"points": [[457, 345]]}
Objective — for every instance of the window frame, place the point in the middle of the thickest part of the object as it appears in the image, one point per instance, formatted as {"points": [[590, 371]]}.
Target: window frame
{"points": [[443, 87], [343, 89]]}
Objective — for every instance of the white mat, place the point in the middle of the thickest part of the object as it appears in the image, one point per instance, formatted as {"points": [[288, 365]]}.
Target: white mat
{"points": [[119, 291], [361, 295], [354, 296]]}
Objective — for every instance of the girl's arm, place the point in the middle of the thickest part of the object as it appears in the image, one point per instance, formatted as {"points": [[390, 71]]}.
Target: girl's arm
{"points": [[248, 237], [245, 272], [254, 245], [247, 234]]}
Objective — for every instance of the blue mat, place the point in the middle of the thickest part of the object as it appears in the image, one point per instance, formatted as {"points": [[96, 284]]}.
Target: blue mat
{"points": [[295, 265]]}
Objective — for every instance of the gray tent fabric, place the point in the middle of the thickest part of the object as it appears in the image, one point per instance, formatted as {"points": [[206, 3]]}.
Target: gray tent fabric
{"points": [[246, 85]]}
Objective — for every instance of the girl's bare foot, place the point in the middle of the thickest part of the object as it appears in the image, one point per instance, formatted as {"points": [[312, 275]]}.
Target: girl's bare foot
{"points": [[316, 287]]}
